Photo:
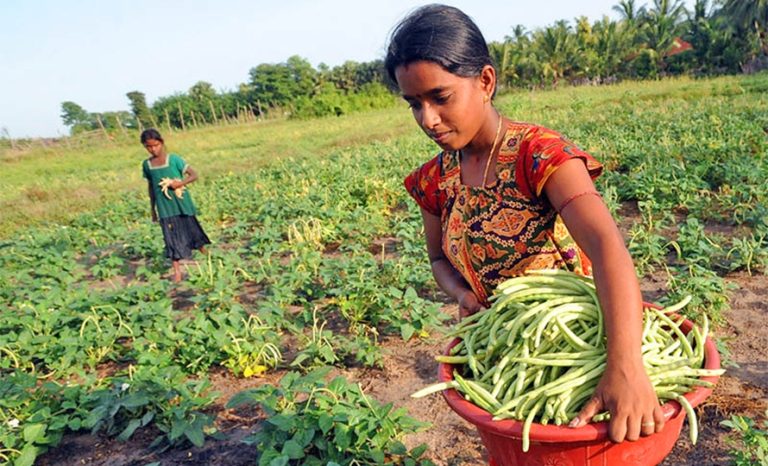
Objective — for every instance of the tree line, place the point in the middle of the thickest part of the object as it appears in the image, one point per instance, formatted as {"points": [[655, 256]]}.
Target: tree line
{"points": [[646, 42]]}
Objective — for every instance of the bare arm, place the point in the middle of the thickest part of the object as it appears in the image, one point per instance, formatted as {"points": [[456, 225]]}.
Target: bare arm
{"points": [[625, 389], [190, 175], [446, 276], [152, 201]]}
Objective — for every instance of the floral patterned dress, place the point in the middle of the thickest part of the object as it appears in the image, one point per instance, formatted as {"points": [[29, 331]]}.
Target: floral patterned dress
{"points": [[499, 231]]}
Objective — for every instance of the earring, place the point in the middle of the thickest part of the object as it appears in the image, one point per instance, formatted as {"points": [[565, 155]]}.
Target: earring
{"points": [[485, 98]]}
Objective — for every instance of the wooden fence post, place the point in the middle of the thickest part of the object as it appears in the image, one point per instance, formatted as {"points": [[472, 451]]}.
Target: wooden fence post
{"points": [[223, 115], [167, 119], [101, 125], [213, 112], [120, 124], [181, 116]]}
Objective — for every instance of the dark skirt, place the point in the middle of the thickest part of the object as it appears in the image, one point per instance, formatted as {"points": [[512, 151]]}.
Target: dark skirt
{"points": [[182, 234]]}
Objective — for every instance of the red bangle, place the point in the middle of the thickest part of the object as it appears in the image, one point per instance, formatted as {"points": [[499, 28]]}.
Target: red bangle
{"points": [[575, 196]]}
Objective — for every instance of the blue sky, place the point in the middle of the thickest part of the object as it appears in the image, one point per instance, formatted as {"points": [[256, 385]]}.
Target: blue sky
{"points": [[93, 52]]}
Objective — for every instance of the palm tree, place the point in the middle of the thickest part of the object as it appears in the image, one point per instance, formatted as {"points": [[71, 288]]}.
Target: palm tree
{"points": [[700, 8], [501, 55], [555, 45], [749, 15], [631, 20], [613, 44], [514, 58], [661, 26], [519, 35], [672, 8], [586, 58], [628, 12]]}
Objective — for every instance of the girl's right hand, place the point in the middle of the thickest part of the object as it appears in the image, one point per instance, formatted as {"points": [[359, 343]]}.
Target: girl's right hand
{"points": [[468, 304], [154, 217]]}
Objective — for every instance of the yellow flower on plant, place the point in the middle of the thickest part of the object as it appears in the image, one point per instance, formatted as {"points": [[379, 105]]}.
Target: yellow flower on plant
{"points": [[255, 370]]}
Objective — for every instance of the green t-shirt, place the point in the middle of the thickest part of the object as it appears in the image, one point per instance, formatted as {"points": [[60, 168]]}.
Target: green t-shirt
{"points": [[168, 203]]}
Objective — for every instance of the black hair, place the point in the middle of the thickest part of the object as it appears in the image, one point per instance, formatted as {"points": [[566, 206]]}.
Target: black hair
{"points": [[151, 133], [440, 34]]}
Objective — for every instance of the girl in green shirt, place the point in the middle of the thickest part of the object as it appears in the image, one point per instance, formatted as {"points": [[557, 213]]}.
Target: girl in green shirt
{"points": [[170, 202]]}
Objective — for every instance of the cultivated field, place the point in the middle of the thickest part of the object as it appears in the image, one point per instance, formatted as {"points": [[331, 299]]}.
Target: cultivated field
{"points": [[318, 261]]}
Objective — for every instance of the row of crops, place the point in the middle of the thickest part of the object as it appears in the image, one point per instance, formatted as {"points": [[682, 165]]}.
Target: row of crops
{"points": [[316, 259]]}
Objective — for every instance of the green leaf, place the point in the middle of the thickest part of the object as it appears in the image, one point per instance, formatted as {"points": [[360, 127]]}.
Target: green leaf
{"points": [[325, 422], [384, 410], [316, 376], [293, 450], [129, 430], [269, 454], [289, 379], [178, 429], [280, 461], [74, 424], [406, 331], [27, 456], [304, 436], [34, 432], [343, 440], [395, 292], [147, 418], [283, 422], [241, 398], [195, 435], [420, 450], [328, 354], [301, 357], [398, 448], [377, 456], [134, 400]]}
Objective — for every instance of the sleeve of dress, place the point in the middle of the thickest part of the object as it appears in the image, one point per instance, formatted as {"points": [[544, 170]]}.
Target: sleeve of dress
{"points": [[546, 151], [145, 169], [422, 185], [179, 164]]}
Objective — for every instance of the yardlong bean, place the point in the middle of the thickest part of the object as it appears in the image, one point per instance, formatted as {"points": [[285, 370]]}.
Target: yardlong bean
{"points": [[538, 353]]}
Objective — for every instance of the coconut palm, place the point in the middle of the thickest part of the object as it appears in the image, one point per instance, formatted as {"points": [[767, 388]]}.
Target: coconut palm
{"points": [[749, 15], [661, 26], [613, 44], [628, 11], [715, 49], [516, 62], [501, 53], [556, 48], [585, 60]]}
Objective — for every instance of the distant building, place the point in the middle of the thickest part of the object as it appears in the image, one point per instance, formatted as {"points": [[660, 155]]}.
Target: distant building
{"points": [[678, 46]]}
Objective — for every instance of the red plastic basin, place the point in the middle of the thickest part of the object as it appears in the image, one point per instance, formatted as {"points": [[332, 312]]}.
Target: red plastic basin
{"points": [[552, 445]]}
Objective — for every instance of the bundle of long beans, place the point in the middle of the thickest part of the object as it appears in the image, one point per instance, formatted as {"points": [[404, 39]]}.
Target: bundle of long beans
{"points": [[537, 354]]}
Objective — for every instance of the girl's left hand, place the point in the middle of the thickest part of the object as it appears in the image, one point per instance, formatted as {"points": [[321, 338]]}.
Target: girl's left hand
{"points": [[468, 304], [627, 393], [176, 184]]}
